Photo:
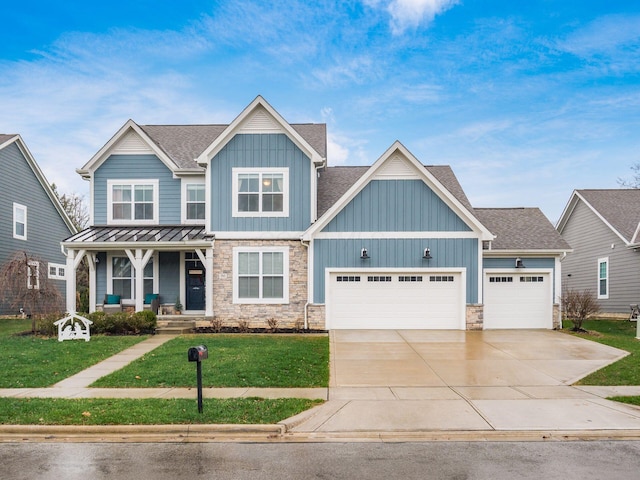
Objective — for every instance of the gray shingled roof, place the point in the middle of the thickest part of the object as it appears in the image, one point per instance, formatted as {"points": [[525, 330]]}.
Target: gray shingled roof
{"points": [[184, 143], [619, 207], [335, 181], [5, 138], [520, 229]]}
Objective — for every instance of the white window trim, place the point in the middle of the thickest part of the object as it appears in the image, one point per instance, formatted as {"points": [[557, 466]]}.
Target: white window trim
{"points": [[600, 261], [156, 203], [183, 214], [130, 301], [19, 208], [285, 275], [58, 267], [33, 264], [260, 171]]}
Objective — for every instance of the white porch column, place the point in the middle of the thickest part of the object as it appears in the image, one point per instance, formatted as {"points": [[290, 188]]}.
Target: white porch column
{"points": [[71, 282], [93, 259], [138, 262], [208, 265]]}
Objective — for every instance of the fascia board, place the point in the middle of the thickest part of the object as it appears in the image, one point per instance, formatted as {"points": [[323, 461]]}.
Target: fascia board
{"points": [[104, 152], [528, 253], [43, 181], [222, 139], [427, 177], [568, 210], [117, 246]]}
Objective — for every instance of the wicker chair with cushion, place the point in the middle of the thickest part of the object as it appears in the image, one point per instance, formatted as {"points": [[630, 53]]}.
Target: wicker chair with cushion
{"points": [[112, 303]]}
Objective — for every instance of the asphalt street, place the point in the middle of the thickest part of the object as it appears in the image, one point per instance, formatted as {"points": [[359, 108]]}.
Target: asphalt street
{"points": [[609, 460]]}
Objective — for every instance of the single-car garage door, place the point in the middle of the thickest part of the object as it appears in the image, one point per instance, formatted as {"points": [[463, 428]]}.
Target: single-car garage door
{"points": [[518, 300], [395, 300]]}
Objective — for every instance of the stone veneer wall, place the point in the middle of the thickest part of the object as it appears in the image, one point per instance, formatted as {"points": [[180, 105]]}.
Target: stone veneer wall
{"points": [[316, 317], [557, 317], [289, 315], [475, 317]]}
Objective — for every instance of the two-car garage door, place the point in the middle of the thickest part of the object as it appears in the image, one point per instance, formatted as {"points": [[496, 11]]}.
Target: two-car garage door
{"points": [[396, 300]]}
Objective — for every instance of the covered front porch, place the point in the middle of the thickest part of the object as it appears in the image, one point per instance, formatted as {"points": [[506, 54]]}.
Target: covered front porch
{"points": [[130, 266]]}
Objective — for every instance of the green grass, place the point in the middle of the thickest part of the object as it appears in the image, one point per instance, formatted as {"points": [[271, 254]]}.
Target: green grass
{"points": [[151, 411], [630, 400], [615, 333], [33, 362], [284, 361]]}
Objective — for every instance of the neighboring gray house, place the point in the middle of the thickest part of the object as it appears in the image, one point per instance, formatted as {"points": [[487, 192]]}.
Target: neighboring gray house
{"points": [[31, 217], [602, 226], [247, 221]]}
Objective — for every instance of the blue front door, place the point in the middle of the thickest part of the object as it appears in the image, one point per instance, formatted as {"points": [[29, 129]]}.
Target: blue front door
{"points": [[195, 285]]}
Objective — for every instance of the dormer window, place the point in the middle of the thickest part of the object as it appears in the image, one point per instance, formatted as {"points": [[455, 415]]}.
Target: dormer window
{"points": [[132, 201], [260, 192]]}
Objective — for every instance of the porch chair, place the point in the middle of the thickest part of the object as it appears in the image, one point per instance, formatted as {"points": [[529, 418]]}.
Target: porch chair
{"points": [[112, 303], [152, 302]]}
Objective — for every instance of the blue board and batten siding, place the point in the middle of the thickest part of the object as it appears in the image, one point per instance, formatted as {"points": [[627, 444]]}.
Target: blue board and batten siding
{"points": [[138, 167], [45, 227], [396, 253], [260, 151], [396, 206]]}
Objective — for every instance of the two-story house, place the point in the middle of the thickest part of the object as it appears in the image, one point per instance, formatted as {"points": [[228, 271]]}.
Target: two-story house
{"points": [[247, 221], [31, 219]]}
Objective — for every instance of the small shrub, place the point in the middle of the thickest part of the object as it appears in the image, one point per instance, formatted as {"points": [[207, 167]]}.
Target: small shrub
{"points": [[579, 306], [298, 326], [273, 324], [216, 325], [243, 326]]}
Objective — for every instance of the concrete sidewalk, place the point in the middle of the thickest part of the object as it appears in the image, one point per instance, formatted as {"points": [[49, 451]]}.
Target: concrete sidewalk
{"points": [[384, 412]]}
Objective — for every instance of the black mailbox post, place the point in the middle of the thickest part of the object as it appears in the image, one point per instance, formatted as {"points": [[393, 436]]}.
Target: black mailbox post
{"points": [[197, 354]]}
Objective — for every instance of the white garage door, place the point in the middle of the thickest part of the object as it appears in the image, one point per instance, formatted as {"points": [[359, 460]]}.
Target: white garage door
{"points": [[518, 300], [392, 300]]}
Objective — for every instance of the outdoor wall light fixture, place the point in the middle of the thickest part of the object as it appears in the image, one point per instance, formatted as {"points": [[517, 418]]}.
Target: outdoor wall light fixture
{"points": [[427, 254], [519, 263], [364, 254]]}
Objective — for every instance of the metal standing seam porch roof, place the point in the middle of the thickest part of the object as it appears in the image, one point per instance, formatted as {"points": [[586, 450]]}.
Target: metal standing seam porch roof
{"points": [[111, 237]]}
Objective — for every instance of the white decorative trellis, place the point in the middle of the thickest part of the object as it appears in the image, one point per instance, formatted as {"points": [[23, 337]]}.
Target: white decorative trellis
{"points": [[73, 327]]}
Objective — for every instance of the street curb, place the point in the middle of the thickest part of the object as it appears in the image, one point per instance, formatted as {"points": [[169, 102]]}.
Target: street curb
{"points": [[280, 434]]}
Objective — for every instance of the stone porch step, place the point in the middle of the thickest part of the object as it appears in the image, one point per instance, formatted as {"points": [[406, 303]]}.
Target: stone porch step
{"points": [[174, 324]]}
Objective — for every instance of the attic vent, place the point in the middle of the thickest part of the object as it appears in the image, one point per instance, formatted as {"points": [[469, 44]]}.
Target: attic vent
{"points": [[260, 121], [131, 143], [486, 244], [396, 167]]}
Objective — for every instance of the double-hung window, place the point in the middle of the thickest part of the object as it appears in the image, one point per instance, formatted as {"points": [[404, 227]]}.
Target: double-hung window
{"points": [[123, 281], [132, 201], [603, 278], [19, 221], [194, 195], [261, 275], [260, 192], [33, 275]]}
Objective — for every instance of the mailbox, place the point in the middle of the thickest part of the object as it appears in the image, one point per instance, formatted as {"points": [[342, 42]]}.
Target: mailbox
{"points": [[197, 354]]}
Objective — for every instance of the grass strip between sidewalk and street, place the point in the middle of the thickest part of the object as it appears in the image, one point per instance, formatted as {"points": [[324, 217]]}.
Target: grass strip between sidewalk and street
{"points": [[270, 360], [33, 362], [149, 411]]}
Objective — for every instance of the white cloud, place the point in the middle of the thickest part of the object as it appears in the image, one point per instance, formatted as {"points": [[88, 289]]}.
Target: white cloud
{"points": [[337, 154], [407, 14]]}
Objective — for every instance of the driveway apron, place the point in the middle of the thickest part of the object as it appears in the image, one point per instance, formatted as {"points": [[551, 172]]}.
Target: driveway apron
{"points": [[427, 380]]}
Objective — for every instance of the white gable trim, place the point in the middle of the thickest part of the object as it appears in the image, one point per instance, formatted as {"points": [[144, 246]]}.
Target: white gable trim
{"points": [[126, 141], [573, 202], [46, 186], [388, 166], [258, 117]]}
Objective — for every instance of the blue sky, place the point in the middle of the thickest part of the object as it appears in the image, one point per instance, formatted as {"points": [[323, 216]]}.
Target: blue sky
{"points": [[526, 100]]}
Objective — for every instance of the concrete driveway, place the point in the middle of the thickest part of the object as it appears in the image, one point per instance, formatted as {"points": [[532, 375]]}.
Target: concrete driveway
{"points": [[427, 381]]}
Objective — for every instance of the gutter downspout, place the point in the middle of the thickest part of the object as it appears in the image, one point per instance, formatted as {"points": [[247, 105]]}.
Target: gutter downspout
{"points": [[306, 305]]}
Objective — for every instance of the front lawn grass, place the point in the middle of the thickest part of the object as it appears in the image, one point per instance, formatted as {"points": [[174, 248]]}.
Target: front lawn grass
{"points": [[150, 411], [31, 362], [635, 400], [284, 361], [615, 333]]}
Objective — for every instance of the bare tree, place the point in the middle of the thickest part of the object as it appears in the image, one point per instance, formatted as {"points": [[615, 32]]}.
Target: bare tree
{"points": [[633, 182], [578, 306], [25, 286]]}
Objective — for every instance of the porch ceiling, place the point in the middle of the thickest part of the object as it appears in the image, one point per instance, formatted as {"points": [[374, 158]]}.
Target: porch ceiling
{"points": [[159, 237]]}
